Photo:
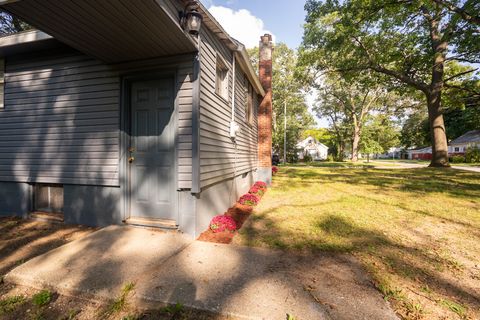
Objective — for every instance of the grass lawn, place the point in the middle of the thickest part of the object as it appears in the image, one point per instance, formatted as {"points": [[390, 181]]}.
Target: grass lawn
{"points": [[417, 231], [326, 164]]}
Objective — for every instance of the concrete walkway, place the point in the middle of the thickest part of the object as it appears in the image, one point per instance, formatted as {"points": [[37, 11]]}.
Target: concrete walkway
{"points": [[248, 283], [405, 165], [467, 168]]}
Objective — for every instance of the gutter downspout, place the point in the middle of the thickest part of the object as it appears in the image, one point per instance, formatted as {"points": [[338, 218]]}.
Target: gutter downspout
{"points": [[233, 87], [196, 121], [234, 128]]}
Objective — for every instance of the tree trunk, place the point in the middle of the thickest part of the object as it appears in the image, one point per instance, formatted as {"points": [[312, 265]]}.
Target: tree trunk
{"points": [[355, 143], [434, 102], [437, 131]]}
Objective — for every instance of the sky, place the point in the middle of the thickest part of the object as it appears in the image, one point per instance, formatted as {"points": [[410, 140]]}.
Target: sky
{"points": [[247, 20]]}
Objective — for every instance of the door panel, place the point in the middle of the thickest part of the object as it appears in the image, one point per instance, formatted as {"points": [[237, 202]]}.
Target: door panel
{"points": [[152, 171]]}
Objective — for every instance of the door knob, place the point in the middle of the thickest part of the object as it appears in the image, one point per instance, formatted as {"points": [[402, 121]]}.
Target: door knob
{"points": [[131, 149], [131, 159]]}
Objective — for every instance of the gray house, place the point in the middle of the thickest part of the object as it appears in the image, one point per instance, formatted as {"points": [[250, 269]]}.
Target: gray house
{"points": [[128, 112]]}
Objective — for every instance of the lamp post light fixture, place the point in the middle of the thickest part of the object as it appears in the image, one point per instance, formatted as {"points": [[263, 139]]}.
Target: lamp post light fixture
{"points": [[191, 19]]}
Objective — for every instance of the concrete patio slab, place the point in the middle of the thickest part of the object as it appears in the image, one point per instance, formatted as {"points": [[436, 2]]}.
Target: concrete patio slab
{"points": [[249, 283], [100, 264]]}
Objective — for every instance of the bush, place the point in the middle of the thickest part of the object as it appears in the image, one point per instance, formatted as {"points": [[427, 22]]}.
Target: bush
{"points": [[307, 158], [42, 298], [274, 170], [257, 191], [457, 159], [292, 157], [223, 223], [249, 199], [330, 158], [472, 155], [261, 185]]}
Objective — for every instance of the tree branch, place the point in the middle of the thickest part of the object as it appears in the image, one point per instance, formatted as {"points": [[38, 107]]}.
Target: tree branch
{"points": [[460, 74], [460, 11], [399, 76]]}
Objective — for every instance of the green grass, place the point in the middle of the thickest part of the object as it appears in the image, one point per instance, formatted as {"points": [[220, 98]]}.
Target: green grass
{"points": [[411, 228], [324, 164], [42, 298], [9, 304], [119, 304]]}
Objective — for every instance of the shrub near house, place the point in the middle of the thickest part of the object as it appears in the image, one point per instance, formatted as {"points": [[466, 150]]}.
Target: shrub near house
{"points": [[222, 227], [223, 223], [249, 199]]}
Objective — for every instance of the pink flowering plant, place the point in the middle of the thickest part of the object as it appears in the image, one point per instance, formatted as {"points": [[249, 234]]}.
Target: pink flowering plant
{"points": [[257, 191], [249, 199], [223, 223], [261, 185], [274, 170]]}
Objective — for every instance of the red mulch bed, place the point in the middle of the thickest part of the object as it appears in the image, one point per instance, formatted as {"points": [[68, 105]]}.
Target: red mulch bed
{"points": [[240, 214]]}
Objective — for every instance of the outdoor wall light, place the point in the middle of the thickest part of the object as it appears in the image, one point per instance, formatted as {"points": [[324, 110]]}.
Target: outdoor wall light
{"points": [[191, 19]]}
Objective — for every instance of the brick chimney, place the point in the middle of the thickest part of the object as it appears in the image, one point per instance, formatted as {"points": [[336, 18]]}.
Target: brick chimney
{"points": [[265, 111]]}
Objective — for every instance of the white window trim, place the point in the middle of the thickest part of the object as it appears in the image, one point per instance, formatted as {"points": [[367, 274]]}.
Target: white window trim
{"points": [[249, 104], [219, 91], [2, 83]]}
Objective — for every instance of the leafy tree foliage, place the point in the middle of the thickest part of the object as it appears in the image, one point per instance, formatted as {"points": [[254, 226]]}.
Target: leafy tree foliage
{"points": [[415, 130], [411, 42], [11, 24], [286, 90], [348, 104], [458, 120], [380, 133]]}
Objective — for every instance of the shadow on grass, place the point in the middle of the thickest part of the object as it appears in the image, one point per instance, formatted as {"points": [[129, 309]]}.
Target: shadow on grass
{"points": [[419, 180], [330, 165], [412, 263]]}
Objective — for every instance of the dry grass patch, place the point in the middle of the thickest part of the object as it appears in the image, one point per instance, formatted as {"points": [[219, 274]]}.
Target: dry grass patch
{"points": [[417, 231]]}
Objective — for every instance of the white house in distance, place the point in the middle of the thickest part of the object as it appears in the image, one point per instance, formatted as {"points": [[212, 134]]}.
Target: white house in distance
{"points": [[317, 150], [460, 145]]}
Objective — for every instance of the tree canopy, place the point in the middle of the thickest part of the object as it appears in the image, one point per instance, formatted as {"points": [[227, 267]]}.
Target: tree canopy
{"points": [[413, 43], [11, 24], [287, 90]]}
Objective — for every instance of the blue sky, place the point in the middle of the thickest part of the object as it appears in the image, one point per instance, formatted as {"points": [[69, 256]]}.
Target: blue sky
{"points": [[283, 18], [247, 20]]}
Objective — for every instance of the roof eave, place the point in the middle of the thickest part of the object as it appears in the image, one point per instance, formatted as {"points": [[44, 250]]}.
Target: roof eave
{"points": [[24, 38], [233, 45]]}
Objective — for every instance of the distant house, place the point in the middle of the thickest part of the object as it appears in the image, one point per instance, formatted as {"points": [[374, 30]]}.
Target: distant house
{"points": [[317, 150], [459, 145], [422, 153], [129, 112], [392, 153]]}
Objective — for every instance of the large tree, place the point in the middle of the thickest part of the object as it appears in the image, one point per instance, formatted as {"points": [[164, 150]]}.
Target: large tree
{"points": [[286, 90], [380, 133], [409, 41], [347, 104]]}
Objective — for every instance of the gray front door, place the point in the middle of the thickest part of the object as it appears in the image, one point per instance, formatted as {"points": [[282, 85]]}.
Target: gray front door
{"points": [[152, 150]]}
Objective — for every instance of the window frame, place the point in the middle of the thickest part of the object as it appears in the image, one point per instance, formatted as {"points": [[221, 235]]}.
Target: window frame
{"points": [[222, 90], [2, 83], [249, 96]]}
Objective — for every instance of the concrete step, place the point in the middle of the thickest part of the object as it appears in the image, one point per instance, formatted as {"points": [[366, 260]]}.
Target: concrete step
{"points": [[46, 216], [152, 223]]}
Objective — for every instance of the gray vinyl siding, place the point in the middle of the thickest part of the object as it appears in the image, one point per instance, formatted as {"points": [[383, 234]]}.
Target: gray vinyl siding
{"points": [[219, 160], [61, 121]]}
